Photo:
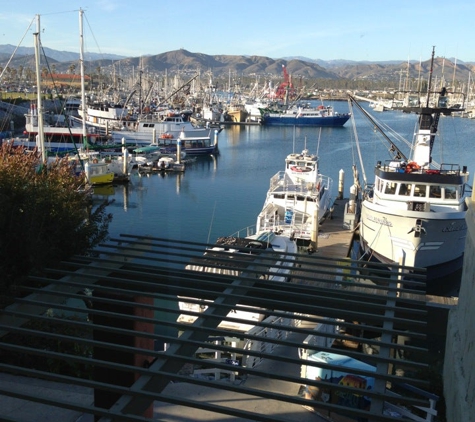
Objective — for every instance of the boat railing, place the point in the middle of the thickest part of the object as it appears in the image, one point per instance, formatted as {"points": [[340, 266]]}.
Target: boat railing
{"points": [[326, 181], [277, 180], [283, 181], [452, 169], [397, 166], [245, 232], [401, 166]]}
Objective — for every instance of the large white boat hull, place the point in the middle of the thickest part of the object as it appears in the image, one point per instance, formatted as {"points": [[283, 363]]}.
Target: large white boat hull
{"points": [[413, 238]]}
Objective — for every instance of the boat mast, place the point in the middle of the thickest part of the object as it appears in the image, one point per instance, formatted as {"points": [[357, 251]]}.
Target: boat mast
{"points": [[180, 88], [140, 88], [429, 118], [430, 77], [83, 87], [39, 107]]}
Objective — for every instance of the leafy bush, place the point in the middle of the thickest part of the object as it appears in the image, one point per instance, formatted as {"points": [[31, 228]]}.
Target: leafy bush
{"points": [[45, 215]]}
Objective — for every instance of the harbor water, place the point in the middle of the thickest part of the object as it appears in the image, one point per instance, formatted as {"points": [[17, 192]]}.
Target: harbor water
{"points": [[220, 195]]}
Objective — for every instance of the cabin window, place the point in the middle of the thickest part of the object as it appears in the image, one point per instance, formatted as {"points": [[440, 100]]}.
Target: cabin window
{"points": [[413, 101], [420, 190], [405, 189], [435, 192], [450, 192], [443, 102], [390, 188]]}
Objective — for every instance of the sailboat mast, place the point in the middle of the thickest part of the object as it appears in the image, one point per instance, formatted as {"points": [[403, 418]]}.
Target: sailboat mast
{"points": [[39, 107], [468, 90], [83, 87], [453, 76], [430, 76]]}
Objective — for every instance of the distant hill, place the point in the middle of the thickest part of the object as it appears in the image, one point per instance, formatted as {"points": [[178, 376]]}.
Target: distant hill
{"points": [[329, 64], [341, 62], [59, 56], [186, 62]]}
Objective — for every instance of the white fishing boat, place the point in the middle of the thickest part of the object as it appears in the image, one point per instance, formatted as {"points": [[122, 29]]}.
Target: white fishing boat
{"points": [[106, 116], [414, 213], [61, 134], [264, 256], [159, 130], [297, 201]]}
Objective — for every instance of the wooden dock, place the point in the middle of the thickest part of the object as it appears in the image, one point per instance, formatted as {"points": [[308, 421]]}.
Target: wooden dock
{"points": [[334, 240]]}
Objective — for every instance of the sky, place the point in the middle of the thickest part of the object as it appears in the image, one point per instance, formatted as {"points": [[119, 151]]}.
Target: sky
{"points": [[369, 30]]}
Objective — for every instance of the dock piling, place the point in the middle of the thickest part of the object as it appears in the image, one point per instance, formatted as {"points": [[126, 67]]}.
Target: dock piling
{"points": [[341, 183]]}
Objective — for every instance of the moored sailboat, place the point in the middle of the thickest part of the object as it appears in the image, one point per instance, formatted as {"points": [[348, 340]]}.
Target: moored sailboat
{"points": [[57, 134]]}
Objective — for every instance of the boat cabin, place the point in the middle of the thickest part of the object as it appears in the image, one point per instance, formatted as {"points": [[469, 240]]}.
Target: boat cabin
{"points": [[427, 186], [301, 163]]}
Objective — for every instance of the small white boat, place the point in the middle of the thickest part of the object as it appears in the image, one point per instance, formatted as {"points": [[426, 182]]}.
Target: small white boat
{"points": [[146, 156], [298, 200], [96, 169], [170, 162], [98, 173]]}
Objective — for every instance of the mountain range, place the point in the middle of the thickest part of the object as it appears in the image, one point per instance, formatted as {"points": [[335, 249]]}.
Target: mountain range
{"points": [[183, 61]]}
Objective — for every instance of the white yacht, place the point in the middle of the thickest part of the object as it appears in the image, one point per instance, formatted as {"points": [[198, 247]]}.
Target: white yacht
{"points": [[297, 201]]}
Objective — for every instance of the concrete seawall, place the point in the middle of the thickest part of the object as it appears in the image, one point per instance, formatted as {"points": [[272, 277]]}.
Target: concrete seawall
{"points": [[459, 365]]}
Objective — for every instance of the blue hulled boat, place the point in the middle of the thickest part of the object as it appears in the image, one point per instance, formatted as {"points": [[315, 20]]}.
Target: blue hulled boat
{"points": [[300, 116]]}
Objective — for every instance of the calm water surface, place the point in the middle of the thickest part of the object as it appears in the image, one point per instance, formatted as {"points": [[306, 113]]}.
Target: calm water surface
{"points": [[218, 196]]}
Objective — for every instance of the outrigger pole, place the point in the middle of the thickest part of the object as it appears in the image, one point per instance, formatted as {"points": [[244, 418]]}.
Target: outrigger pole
{"points": [[394, 148]]}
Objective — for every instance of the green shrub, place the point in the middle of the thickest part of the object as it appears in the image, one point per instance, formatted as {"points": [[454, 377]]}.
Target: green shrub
{"points": [[45, 215]]}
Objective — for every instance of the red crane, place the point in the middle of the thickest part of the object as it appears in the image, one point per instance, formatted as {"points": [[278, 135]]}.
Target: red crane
{"points": [[285, 89]]}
